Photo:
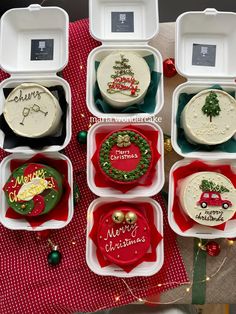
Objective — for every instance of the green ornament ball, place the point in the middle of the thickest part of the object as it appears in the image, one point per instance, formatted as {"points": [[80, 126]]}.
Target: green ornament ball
{"points": [[54, 258], [82, 137]]}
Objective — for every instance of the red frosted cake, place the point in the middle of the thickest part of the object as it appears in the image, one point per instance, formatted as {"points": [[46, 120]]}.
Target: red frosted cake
{"points": [[123, 235], [125, 156], [33, 189]]}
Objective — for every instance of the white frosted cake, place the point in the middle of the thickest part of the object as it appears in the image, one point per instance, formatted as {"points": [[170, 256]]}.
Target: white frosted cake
{"points": [[32, 111], [209, 198], [210, 118], [123, 79]]}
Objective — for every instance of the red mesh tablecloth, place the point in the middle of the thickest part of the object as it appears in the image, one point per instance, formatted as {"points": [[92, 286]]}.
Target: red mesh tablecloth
{"points": [[28, 284]]}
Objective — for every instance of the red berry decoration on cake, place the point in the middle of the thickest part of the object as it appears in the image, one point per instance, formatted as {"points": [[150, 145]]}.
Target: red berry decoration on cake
{"points": [[123, 235], [125, 156], [33, 189]]}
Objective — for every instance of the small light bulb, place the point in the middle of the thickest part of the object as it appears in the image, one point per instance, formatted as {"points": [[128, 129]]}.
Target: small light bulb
{"points": [[159, 285], [208, 278], [140, 300], [117, 298], [231, 242], [188, 289]]}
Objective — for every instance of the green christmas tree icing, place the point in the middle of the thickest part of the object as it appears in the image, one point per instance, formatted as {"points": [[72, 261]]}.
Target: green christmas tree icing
{"points": [[210, 186], [211, 107]]}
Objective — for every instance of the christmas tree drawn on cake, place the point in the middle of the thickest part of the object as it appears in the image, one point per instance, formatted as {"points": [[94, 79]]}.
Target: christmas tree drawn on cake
{"points": [[124, 81], [211, 195], [211, 107]]}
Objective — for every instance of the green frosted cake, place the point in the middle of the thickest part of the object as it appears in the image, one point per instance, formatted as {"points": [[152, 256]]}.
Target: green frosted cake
{"points": [[33, 189]]}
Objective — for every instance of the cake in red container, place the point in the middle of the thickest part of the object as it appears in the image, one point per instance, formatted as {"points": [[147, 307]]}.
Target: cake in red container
{"points": [[123, 235], [125, 156]]}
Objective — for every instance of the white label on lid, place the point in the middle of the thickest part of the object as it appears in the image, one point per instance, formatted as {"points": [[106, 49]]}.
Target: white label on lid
{"points": [[122, 22], [204, 55], [42, 49]]}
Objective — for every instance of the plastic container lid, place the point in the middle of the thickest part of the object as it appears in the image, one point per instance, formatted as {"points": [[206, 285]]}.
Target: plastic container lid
{"points": [[206, 44], [34, 39], [124, 20]]}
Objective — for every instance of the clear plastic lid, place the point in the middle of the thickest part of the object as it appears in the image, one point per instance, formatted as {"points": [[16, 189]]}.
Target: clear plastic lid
{"points": [[123, 20], [206, 44], [34, 39]]}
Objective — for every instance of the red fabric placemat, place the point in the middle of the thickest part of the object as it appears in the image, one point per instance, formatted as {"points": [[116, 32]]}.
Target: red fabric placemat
{"points": [[28, 284]]}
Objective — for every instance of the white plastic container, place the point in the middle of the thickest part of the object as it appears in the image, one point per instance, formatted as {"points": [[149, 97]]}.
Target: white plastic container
{"points": [[214, 33], [18, 29], [199, 231], [144, 269], [145, 27], [145, 191], [22, 224]]}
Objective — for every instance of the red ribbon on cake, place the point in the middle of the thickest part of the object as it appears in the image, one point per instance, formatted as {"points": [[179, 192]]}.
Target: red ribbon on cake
{"points": [[181, 218], [156, 237], [146, 180], [60, 212]]}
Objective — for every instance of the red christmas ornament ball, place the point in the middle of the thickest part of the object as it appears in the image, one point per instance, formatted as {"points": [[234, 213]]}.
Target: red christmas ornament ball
{"points": [[169, 67], [213, 248]]}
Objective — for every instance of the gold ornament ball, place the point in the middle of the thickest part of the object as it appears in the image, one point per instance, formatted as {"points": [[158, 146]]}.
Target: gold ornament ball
{"points": [[167, 145], [131, 218], [118, 217]]}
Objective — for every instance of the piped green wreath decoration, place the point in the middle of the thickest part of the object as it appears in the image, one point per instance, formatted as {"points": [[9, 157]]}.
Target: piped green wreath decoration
{"points": [[124, 139]]}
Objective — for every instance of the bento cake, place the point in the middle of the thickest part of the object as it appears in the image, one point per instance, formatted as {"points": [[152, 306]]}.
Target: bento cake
{"points": [[33, 189], [32, 111], [123, 79], [125, 156], [209, 117], [208, 198], [123, 235]]}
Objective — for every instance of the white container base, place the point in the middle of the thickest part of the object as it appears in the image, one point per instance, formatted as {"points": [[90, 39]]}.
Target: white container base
{"points": [[144, 269], [199, 231], [22, 224], [98, 55], [145, 27], [146, 191], [18, 28], [214, 33]]}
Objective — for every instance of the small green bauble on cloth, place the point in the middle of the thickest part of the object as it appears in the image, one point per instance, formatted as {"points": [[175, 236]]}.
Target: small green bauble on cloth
{"points": [[54, 257], [82, 137]]}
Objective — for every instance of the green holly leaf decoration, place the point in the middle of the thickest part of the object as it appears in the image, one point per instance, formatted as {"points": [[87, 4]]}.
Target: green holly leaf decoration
{"points": [[211, 107], [209, 186]]}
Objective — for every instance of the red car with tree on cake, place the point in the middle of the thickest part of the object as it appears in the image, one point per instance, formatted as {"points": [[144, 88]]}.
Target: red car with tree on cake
{"points": [[213, 199]]}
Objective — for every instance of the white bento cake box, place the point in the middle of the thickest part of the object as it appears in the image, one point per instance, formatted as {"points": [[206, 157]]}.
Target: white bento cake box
{"points": [[199, 231], [146, 268], [145, 25], [145, 191], [205, 48], [23, 224], [20, 29]]}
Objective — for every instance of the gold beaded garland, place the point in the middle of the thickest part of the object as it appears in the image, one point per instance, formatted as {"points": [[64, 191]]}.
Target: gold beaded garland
{"points": [[118, 217]]}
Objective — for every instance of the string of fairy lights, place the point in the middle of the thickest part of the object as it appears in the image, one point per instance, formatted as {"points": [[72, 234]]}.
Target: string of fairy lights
{"points": [[134, 291]]}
